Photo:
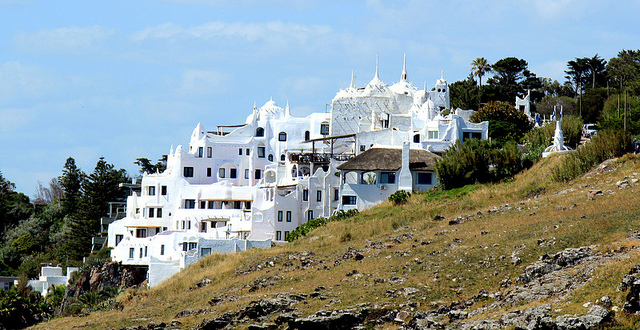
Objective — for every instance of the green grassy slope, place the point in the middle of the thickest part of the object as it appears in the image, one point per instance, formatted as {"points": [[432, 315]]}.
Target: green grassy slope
{"points": [[525, 218]]}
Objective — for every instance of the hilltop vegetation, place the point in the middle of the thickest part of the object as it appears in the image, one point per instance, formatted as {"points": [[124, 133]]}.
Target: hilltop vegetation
{"points": [[465, 253]]}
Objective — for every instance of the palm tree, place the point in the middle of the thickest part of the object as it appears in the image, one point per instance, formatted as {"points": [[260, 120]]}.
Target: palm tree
{"points": [[480, 67]]}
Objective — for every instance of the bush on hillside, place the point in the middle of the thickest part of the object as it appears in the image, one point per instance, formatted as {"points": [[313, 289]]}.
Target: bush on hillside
{"points": [[605, 145], [399, 197], [477, 161], [312, 224], [505, 121]]}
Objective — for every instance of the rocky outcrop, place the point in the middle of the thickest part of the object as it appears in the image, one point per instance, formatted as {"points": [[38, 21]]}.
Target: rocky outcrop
{"points": [[107, 275]]}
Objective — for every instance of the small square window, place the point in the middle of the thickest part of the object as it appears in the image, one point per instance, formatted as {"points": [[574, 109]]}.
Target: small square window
{"points": [[163, 190], [288, 216], [239, 151], [280, 216], [246, 151], [189, 203], [258, 174], [232, 173], [151, 212], [203, 205], [278, 235], [305, 195], [159, 212], [188, 172], [209, 152], [261, 152], [246, 173], [152, 190], [200, 152], [208, 171], [221, 172]]}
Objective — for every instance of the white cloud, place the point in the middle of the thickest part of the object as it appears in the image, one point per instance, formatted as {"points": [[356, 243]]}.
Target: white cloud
{"points": [[252, 32], [203, 82], [14, 119], [18, 80], [66, 39]]}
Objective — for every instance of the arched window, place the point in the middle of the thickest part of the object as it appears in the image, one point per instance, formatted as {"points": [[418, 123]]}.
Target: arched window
{"points": [[270, 158], [259, 131], [282, 158], [282, 136], [307, 136], [416, 138]]}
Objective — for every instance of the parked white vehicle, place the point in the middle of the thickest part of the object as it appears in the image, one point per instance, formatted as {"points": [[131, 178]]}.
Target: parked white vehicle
{"points": [[589, 130]]}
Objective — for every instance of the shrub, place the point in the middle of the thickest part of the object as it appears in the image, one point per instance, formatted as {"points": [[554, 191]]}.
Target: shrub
{"points": [[540, 138], [399, 197], [505, 121], [477, 161], [605, 145], [312, 224]]}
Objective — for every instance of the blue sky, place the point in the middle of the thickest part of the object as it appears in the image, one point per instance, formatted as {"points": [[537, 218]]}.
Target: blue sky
{"points": [[127, 79]]}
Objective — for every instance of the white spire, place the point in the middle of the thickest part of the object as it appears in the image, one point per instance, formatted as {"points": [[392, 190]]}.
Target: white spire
{"points": [[377, 64], [287, 111], [403, 77], [376, 80], [425, 86], [353, 79]]}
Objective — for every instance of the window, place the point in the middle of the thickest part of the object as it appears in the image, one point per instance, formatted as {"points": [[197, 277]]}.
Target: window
{"points": [[280, 216], [209, 152], [309, 215], [288, 216], [200, 152], [193, 246], [162, 249], [237, 205], [286, 234], [305, 195], [203, 205], [349, 200], [141, 252], [205, 251], [471, 135], [282, 158], [151, 190], [416, 138], [423, 178], [278, 235], [119, 239], [209, 172], [247, 205], [188, 172], [259, 131], [132, 251], [239, 151], [261, 152], [163, 190], [363, 147], [270, 158], [221, 173], [282, 136], [185, 246], [246, 151], [336, 194], [432, 135], [258, 174], [307, 136], [141, 233], [189, 224], [145, 251], [319, 196], [159, 212], [210, 204], [151, 212], [324, 129], [233, 173], [189, 204], [246, 173], [387, 177]]}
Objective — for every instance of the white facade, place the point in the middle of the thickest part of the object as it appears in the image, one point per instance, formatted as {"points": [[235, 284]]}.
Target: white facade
{"points": [[50, 276], [265, 177]]}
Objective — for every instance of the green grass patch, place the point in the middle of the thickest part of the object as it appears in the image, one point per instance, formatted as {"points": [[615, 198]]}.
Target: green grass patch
{"points": [[438, 194]]}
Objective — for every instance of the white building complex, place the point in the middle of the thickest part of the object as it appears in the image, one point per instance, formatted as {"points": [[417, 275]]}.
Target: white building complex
{"points": [[246, 185]]}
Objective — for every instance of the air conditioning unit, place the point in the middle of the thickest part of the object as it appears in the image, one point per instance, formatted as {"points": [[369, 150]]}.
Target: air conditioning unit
{"points": [[383, 187]]}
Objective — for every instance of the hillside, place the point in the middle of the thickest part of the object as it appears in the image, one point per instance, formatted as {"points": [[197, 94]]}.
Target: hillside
{"points": [[525, 251]]}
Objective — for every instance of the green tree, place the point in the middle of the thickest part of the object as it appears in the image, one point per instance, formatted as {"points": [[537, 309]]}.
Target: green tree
{"points": [[576, 73], [147, 167], [101, 187], [505, 121], [479, 67], [14, 206], [71, 183], [464, 94]]}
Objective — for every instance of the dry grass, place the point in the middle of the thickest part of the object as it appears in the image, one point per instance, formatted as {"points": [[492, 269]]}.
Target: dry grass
{"points": [[458, 261]]}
